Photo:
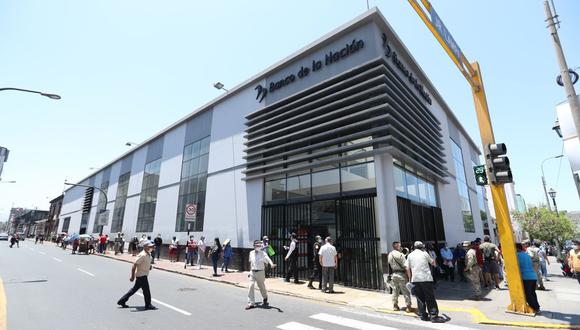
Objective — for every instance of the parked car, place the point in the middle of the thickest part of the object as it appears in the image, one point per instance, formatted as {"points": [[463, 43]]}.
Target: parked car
{"points": [[3, 236]]}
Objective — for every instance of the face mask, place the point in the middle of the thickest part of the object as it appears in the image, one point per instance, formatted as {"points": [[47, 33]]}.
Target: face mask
{"points": [[257, 248]]}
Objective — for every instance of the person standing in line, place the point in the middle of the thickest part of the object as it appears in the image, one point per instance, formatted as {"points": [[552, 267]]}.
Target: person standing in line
{"points": [[158, 241], [418, 270], [133, 245], [227, 255], [102, 244], [258, 260], [490, 265], [447, 256], [292, 259], [174, 250], [399, 279], [316, 267], [118, 240], [122, 247], [472, 269], [480, 262], [544, 261], [435, 268], [329, 260], [190, 251], [573, 259], [141, 242], [529, 277], [215, 252], [200, 252], [459, 260], [533, 251], [139, 273], [75, 244]]}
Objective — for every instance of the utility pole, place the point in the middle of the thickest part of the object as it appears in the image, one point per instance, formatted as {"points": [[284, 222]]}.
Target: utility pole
{"points": [[566, 80]]}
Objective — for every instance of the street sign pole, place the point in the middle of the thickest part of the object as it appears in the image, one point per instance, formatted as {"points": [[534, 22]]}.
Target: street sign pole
{"points": [[472, 73]]}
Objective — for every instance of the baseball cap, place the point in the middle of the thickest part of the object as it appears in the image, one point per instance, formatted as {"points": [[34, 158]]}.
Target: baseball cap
{"points": [[466, 243], [418, 244], [148, 243]]}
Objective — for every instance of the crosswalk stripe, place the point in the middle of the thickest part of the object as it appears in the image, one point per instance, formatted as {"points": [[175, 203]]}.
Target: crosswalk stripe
{"points": [[351, 323], [167, 305], [415, 322], [296, 326]]}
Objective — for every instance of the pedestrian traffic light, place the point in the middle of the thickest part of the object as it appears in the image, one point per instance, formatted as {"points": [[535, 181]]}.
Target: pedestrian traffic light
{"points": [[480, 175], [500, 171], [88, 202]]}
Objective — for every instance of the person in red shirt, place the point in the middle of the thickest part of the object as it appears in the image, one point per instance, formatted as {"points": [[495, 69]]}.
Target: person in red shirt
{"points": [[102, 244], [190, 252]]}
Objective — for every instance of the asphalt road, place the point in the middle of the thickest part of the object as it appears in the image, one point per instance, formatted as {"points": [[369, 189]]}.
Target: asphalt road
{"points": [[48, 288]]}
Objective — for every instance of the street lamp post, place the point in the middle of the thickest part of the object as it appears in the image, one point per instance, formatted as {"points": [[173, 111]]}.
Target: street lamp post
{"points": [[552, 193], [544, 179], [104, 195], [49, 95]]}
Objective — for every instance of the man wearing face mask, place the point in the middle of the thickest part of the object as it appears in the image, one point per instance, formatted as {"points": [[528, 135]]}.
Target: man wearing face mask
{"points": [[316, 273], [258, 260]]}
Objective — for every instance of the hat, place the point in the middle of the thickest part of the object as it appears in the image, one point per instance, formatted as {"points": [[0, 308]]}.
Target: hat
{"points": [[227, 241], [418, 244], [466, 243], [148, 243]]}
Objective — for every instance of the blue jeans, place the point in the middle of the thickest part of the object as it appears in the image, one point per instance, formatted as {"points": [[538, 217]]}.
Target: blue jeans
{"points": [[226, 263], [543, 269], [189, 258], [214, 261]]}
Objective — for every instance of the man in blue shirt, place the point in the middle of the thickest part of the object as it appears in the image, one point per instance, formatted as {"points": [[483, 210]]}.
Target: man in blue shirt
{"points": [[529, 277]]}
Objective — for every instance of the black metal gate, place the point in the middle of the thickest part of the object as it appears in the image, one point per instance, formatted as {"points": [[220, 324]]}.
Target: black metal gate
{"points": [[354, 228]]}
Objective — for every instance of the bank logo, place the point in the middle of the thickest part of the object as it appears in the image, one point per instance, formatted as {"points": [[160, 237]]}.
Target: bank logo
{"points": [[261, 93]]}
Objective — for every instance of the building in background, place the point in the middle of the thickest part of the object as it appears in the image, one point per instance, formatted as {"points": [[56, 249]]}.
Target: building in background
{"points": [[3, 158], [14, 213], [521, 204], [513, 206], [53, 217], [28, 222], [347, 137]]}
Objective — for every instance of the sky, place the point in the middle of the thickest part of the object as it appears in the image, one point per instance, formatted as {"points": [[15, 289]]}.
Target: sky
{"points": [[128, 69]]}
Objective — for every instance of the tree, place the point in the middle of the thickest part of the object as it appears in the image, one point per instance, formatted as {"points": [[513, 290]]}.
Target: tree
{"points": [[543, 224]]}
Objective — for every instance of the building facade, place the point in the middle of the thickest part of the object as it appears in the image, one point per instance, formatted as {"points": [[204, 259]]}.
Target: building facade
{"points": [[3, 158], [346, 137], [53, 217]]}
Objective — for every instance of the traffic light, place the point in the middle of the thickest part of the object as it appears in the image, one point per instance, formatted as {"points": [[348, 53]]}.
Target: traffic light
{"points": [[480, 175], [500, 171], [88, 202]]}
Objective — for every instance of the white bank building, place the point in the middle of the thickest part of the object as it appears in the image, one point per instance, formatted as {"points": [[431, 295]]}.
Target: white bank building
{"points": [[347, 137]]}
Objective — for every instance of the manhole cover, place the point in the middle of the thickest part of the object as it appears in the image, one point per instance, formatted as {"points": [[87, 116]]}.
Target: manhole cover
{"points": [[186, 289]]}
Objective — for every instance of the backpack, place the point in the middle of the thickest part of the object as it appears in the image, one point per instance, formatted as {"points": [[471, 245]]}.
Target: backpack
{"points": [[488, 253], [533, 253]]}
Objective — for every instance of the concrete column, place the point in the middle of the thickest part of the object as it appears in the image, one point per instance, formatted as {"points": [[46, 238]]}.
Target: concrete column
{"points": [[387, 215]]}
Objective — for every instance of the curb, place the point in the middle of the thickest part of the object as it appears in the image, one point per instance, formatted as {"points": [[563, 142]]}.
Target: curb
{"points": [[477, 316]]}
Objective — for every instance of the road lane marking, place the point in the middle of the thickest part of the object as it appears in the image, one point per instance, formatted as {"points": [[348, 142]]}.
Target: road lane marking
{"points": [[167, 305], [346, 322], [2, 307], [56, 259], [415, 322], [84, 271], [296, 326], [43, 253]]}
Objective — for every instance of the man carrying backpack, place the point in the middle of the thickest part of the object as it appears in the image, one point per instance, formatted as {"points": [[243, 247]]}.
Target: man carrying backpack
{"points": [[534, 252], [491, 267]]}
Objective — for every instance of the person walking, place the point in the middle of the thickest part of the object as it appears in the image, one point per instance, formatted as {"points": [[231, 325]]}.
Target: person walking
{"points": [[216, 250], [418, 270], [529, 277], [102, 244], [133, 245], [158, 241], [316, 267], [490, 264], [544, 261], [258, 260], [399, 279], [472, 269], [292, 259], [190, 251], [227, 255], [139, 272], [329, 260], [447, 265], [200, 251], [459, 261], [534, 252]]}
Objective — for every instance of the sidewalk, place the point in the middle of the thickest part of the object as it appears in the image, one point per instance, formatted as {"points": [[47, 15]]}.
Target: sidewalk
{"points": [[560, 302]]}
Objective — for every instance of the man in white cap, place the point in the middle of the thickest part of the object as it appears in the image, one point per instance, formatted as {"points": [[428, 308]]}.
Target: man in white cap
{"points": [[139, 273], [417, 266], [258, 260]]}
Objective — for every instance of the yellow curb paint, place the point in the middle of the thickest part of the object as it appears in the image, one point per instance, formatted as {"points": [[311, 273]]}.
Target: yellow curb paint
{"points": [[2, 307]]}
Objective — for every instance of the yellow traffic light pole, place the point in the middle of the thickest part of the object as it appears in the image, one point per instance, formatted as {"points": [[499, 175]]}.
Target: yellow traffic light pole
{"points": [[472, 73]]}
